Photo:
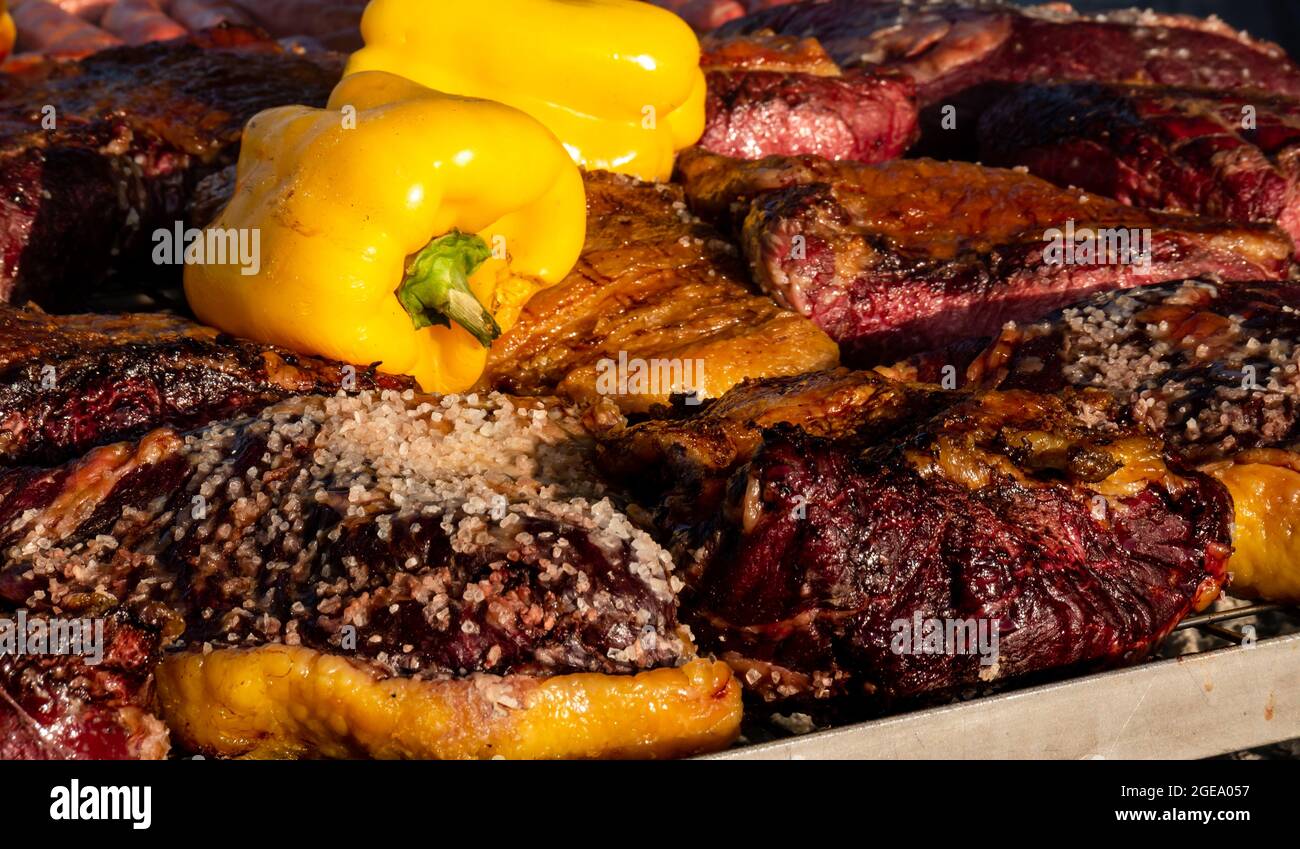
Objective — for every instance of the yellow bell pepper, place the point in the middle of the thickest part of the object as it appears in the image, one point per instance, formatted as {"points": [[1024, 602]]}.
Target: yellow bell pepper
{"points": [[618, 81], [8, 33], [398, 225]]}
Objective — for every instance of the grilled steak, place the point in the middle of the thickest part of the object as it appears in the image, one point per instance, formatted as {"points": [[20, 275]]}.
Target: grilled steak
{"points": [[1229, 155], [911, 255], [478, 547], [134, 129], [1211, 366], [844, 563], [684, 470], [65, 707], [949, 46], [658, 295], [785, 96], [68, 383]]}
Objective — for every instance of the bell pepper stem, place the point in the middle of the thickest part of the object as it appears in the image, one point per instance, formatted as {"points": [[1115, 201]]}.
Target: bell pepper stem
{"points": [[435, 290]]}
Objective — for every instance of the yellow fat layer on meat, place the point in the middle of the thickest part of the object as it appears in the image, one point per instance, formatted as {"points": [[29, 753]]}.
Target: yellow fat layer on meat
{"points": [[284, 701], [1265, 562]]}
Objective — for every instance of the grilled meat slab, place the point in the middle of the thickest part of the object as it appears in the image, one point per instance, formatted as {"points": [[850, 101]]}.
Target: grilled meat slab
{"points": [[661, 288], [1004, 513], [65, 708], [1225, 154], [949, 46], [1211, 366], [69, 383], [1215, 369], [911, 255], [134, 129], [693, 462], [772, 95], [307, 511], [412, 536]]}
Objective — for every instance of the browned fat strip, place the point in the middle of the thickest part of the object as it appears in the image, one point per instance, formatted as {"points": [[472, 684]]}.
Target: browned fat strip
{"points": [[140, 21], [47, 28]]}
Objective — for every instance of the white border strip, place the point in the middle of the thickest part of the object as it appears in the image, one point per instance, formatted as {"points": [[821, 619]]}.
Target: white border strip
{"points": [[1195, 706]]}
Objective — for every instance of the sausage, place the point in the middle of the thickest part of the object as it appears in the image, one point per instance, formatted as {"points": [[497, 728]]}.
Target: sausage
{"points": [[47, 28], [140, 21], [204, 14]]}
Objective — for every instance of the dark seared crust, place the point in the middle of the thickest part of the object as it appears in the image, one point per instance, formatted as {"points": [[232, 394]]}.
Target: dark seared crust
{"points": [[1176, 358], [137, 128], [1228, 154], [68, 383], [260, 532], [992, 510], [61, 707], [912, 255], [817, 597], [691, 458], [948, 46]]}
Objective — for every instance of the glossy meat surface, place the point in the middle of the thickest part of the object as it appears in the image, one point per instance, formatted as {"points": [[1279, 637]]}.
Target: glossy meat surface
{"points": [[421, 538], [135, 128], [654, 284], [302, 522], [949, 46], [64, 708], [69, 383], [692, 457], [1079, 548], [1213, 366], [911, 255], [1225, 154], [772, 96]]}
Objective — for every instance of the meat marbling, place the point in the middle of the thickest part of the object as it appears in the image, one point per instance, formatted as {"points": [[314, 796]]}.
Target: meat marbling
{"points": [[771, 95]]}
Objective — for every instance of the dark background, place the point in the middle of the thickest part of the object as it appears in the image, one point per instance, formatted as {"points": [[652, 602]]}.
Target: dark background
{"points": [[1273, 20]]}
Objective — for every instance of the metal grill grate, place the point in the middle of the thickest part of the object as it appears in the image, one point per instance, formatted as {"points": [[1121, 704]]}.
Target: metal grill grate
{"points": [[1230, 675], [1211, 623]]}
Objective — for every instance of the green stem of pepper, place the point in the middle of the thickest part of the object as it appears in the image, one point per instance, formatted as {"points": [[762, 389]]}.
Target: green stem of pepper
{"points": [[435, 290]]}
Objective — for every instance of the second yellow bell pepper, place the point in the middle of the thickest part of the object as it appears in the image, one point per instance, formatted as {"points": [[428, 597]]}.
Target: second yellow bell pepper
{"points": [[398, 225], [8, 32], [618, 81]]}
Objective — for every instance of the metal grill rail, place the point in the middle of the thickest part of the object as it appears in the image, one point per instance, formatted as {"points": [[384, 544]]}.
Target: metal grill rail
{"points": [[1240, 696], [1210, 623]]}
